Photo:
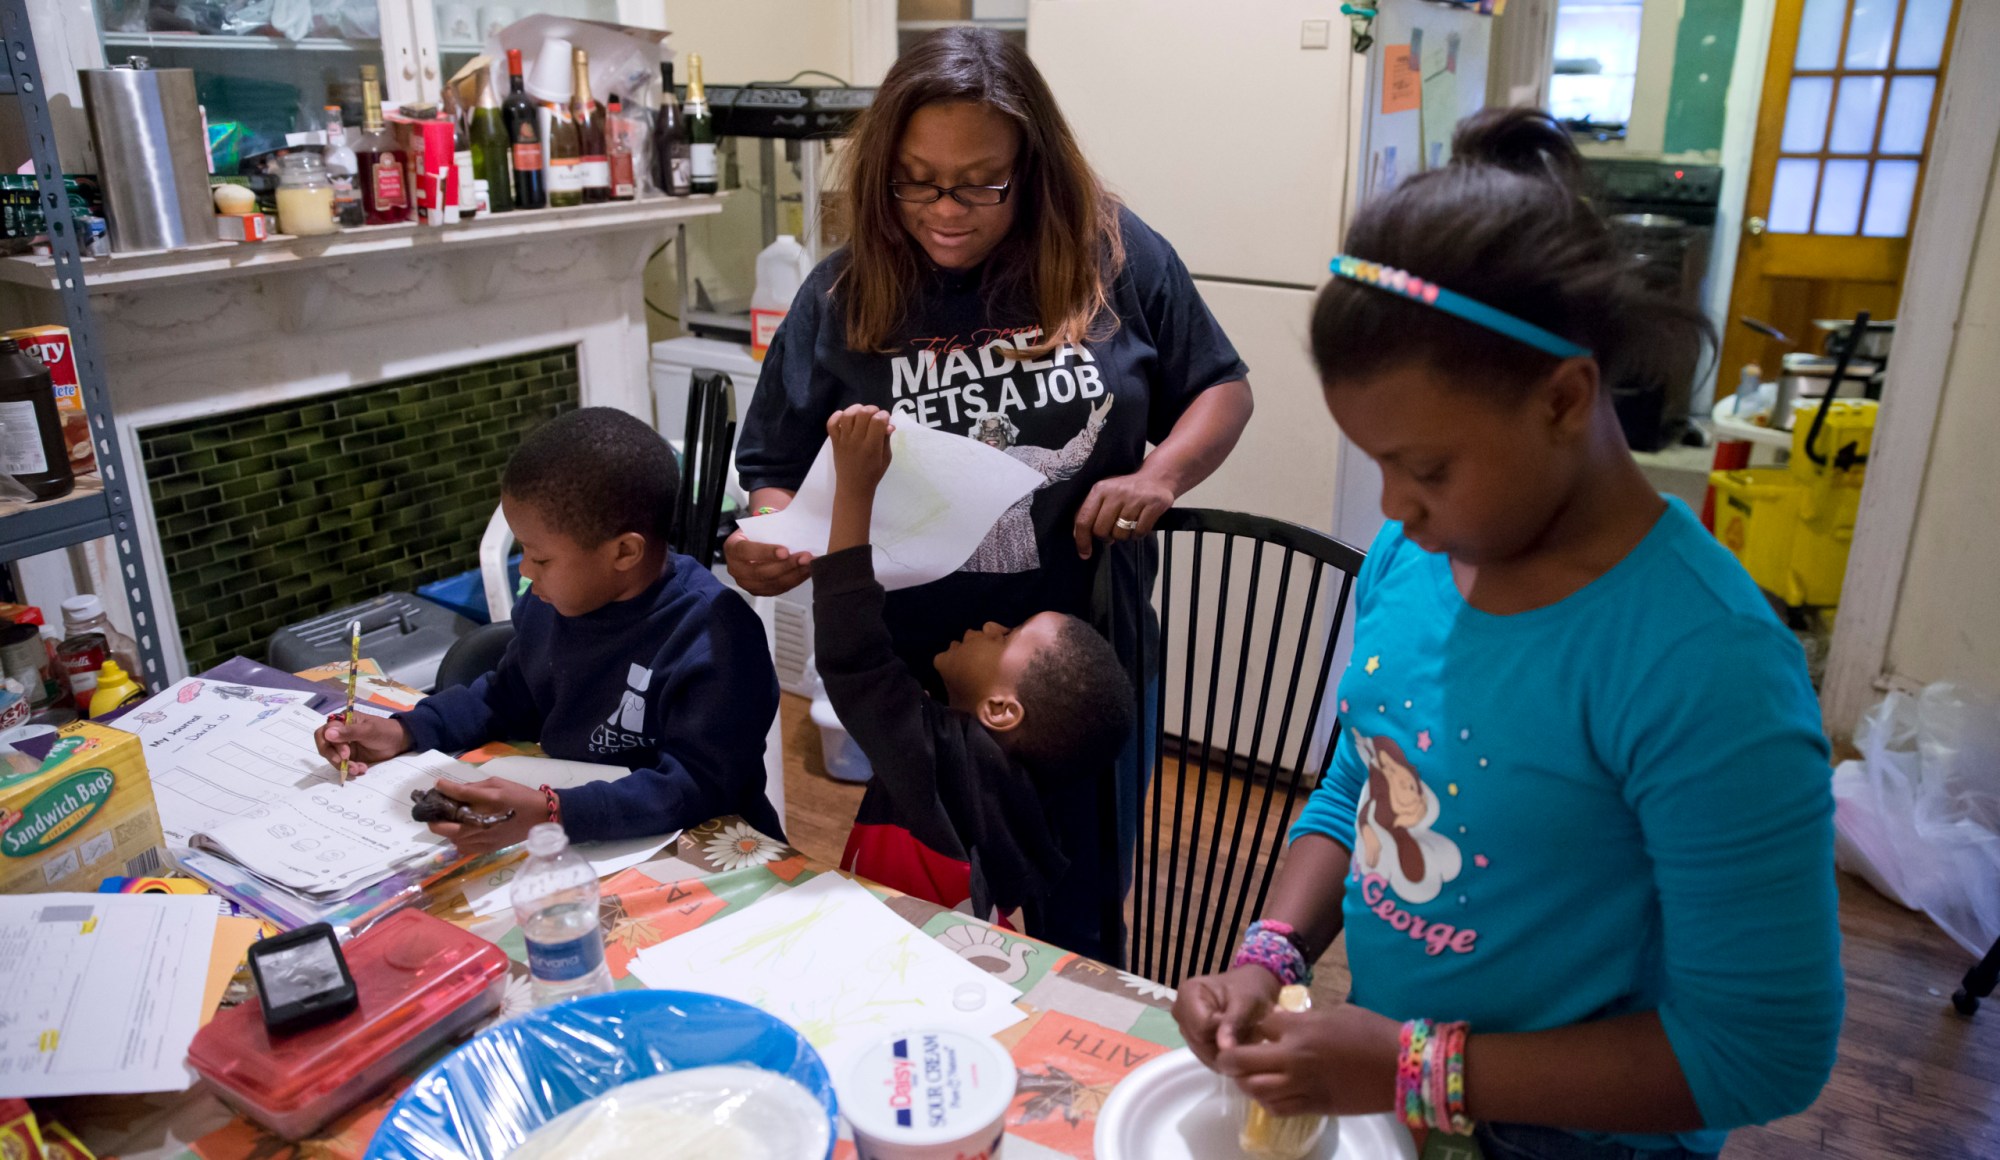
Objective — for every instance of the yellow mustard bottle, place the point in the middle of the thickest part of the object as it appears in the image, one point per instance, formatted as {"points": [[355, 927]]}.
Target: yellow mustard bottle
{"points": [[115, 686]]}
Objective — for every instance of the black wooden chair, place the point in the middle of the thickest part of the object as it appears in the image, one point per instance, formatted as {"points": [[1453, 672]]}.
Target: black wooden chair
{"points": [[1978, 982], [1249, 610], [707, 442]]}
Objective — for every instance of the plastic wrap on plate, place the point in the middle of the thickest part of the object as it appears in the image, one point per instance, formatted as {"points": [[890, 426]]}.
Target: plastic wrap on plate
{"points": [[514, 1081], [704, 1113]]}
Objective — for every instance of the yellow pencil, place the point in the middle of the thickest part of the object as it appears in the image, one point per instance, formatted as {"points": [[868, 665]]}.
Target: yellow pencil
{"points": [[353, 672]]}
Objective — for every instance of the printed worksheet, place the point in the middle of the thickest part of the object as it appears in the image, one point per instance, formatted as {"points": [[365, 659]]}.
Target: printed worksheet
{"points": [[104, 991], [329, 840], [232, 764]]}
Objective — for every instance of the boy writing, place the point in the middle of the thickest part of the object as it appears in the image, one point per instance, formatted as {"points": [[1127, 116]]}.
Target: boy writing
{"points": [[624, 654], [970, 799]]}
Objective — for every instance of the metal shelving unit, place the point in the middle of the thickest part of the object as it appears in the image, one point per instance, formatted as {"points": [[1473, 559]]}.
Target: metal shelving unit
{"points": [[83, 515]]}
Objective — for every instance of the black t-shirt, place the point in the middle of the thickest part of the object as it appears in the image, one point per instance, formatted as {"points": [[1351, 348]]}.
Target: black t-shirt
{"points": [[1078, 415]]}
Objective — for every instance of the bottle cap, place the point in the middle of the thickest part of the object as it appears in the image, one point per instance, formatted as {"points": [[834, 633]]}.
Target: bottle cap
{"points": [[546, 839], [82, 607], [551, 79]]}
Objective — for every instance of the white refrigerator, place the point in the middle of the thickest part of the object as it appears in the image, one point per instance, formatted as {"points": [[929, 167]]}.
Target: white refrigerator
{"points": [[1245, 133]]}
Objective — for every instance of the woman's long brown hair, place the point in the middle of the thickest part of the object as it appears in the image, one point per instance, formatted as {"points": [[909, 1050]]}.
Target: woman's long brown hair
{"points": [[1064, 249]]}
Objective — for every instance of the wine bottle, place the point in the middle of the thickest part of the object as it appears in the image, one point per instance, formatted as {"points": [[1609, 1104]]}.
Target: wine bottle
{"points": [[524, 137], [701, 132], [618, 131], [490, 149], [591, 133], [342, 168], [564, 147], [383, 164], [671, 170]]}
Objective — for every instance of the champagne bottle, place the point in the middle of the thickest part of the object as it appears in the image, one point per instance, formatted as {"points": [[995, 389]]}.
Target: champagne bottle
{"points": [[489, 148], [524, 136], [591, 132], [384, 166], [670, 141], [701, 132]]}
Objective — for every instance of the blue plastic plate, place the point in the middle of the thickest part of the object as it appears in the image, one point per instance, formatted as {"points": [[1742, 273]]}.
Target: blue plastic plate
{"points": [[481, 1101]]}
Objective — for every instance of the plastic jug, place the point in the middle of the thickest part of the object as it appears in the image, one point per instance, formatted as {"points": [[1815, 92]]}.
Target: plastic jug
{"points": [[781, 270]]}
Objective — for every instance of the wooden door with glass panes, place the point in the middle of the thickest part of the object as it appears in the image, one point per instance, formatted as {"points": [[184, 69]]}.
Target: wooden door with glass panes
{"points": [[1850, 95]]}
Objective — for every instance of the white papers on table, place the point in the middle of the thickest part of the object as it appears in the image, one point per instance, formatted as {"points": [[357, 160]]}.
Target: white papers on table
{"points": [[104, 991], [329, 840], [830, 959], [216, 751], [940, 497]]}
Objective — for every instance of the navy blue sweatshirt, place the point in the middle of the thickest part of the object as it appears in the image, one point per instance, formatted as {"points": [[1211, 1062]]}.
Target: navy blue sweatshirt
{"points": [[675, 683]]}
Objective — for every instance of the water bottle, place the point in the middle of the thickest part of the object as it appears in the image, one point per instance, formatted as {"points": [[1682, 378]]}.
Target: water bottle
{"points": [[555, 901]]}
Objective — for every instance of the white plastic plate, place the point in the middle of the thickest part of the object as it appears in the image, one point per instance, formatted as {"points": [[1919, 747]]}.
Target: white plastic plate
{"points": [[1173, 1109]]}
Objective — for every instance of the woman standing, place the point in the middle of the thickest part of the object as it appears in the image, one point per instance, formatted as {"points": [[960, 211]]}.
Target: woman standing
{"points": [[993, 288]]}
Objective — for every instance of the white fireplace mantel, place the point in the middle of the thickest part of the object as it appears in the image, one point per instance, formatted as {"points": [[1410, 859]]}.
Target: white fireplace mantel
{"points": [[218, 329]]}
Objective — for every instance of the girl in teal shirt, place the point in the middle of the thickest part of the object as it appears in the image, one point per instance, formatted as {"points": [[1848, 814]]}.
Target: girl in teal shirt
{"points": [[1578, 823]]}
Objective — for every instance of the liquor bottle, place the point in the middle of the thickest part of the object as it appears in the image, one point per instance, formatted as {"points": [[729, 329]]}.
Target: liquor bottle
{"points": [[382, 163], [618, 146], [700, 131], [671, 163], [591, 132], [489, 148], [524, 136], [342, 169]]}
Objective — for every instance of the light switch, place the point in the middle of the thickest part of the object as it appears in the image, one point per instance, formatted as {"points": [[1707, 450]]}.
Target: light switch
{"points": [[1315, 33]]}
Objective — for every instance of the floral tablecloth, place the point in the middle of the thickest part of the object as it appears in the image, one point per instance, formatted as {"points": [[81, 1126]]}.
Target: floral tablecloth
{"points": [[1088, 1027]]}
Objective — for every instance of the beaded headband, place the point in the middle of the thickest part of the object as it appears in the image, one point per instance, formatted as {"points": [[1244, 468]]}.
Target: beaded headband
{"points": [[1407, 285]]}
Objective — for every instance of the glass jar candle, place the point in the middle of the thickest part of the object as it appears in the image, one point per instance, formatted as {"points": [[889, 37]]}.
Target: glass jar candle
{"points": [[305, 195]]}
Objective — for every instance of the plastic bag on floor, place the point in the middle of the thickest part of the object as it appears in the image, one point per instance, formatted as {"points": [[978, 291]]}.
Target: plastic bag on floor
{"points": [[1918, 816]]}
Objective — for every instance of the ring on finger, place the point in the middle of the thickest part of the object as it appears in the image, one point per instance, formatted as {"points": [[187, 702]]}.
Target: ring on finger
{"points": [[1127, 525]]}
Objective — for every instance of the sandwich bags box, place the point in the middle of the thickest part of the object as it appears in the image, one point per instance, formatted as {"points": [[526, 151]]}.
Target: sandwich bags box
{"points": [[87, 814]]}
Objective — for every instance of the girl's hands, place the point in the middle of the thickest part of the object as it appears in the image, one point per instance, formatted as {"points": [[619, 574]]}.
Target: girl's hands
{"points": [[1216, 1012], [1334, 1061]]}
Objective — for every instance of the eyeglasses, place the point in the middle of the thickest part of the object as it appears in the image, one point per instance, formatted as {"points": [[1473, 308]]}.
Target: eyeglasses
{"points": [[925, 193]]}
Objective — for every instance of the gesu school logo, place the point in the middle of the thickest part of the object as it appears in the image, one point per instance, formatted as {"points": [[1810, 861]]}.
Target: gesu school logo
{"points": [[626, 727]]}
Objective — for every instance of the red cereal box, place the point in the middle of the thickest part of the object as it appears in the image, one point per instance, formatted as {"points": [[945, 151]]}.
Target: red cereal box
{"points": [[51, 345]]}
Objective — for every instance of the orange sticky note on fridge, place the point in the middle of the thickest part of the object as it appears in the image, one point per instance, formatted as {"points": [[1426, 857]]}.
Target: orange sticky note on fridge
{"points": [[1402, 84]]}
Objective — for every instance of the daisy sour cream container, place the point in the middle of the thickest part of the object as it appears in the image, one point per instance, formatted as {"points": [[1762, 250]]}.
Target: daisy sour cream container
{"points": [[929, 1095]]}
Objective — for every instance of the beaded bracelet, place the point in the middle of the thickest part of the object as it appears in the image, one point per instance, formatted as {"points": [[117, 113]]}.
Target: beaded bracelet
{"points": [[555, 804], [1430, 1077], [1272, 946]]}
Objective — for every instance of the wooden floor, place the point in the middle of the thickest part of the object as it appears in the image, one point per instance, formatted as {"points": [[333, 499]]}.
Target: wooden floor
{"points": [[1913, 1079]]}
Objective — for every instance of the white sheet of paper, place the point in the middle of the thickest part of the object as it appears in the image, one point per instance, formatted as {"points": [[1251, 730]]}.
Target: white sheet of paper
{"points": [[488, 894], [224, 766], [331, 840], [830, 959], [104, 991], [940, 497]]}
